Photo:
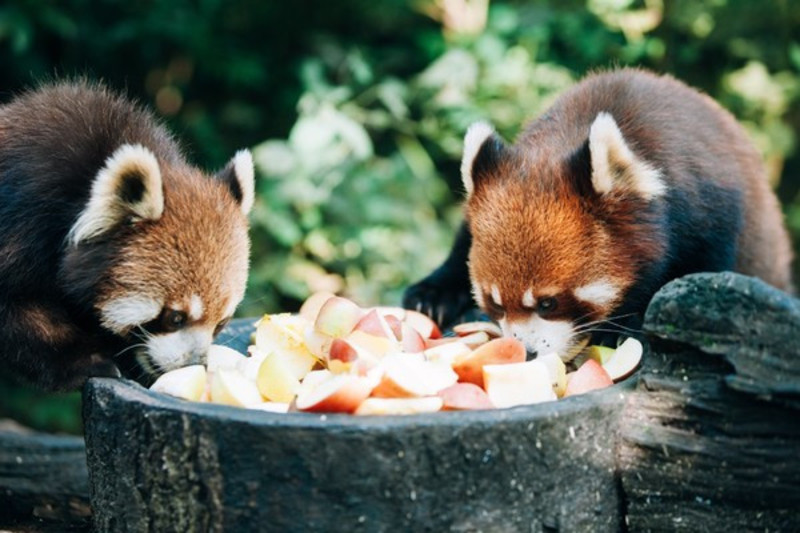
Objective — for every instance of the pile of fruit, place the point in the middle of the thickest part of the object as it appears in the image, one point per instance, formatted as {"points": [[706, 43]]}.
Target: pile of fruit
{"points": [[336, 357]]}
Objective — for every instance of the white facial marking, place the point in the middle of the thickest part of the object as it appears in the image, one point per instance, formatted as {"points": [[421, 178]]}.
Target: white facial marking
{"points": [[195, 307], [609, 153], [477, 294], [527, 299], [174, 350], [120, 314], [496, 295], [539, 335], [601, 293], [473, 140]]}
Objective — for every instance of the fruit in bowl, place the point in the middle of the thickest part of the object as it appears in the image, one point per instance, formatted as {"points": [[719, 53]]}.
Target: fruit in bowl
{"points": [[335, 356]]}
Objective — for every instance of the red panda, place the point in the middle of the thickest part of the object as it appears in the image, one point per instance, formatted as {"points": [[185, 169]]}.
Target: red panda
{"points": [[113, 249], [628, 181]]}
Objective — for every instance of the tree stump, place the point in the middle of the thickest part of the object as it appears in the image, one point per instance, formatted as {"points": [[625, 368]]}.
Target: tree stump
{"points": [[706, 441], [710, 439]]}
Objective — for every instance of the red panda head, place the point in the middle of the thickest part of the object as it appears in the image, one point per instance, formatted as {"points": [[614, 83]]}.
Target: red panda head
{"points": [[555, 240], [175, 247]]}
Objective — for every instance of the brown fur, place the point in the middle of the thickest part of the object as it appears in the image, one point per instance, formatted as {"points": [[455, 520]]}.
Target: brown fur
{"points": [[54, 143], [531, 221]]}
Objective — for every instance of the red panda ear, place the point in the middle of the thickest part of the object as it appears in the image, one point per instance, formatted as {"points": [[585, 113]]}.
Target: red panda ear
{"points": [[127, 187], [615, 166], [482, 150], [239, 176]]}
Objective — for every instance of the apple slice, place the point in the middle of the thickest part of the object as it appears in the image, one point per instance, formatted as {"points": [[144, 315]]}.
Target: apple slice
{"points": [[310, 308], [338, 316], [601, 354], [230, 387], [276, 380], [399, 406], [498, 351], [410, 340], [341, 393], [474, 340], [624, 360], [424, 325], [375, 324], [409, 375], [590, 376], [188, 383], [513, 384], [219, 356], [558, 372], [283, 333], [467, 328], [464, 396], [447, 352], [318, 344]]}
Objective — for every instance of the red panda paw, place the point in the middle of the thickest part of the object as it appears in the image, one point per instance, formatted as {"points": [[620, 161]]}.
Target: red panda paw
{"points": [[443, 302]]}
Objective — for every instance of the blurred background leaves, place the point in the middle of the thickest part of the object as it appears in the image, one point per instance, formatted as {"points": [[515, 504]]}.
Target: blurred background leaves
{"points": [[356, 109]]}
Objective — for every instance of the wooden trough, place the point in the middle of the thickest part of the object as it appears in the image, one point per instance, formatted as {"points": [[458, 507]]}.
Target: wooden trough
{"points": [[705, 438]]}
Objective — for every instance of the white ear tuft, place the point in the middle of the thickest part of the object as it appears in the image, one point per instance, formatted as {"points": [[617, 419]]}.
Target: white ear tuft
{"points": [[128, 185], [615, 165], [245, 174], [473, 140]]}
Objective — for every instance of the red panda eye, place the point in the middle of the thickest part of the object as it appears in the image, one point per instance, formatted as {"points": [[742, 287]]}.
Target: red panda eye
{"points": [[174, 320], [546, 305]]}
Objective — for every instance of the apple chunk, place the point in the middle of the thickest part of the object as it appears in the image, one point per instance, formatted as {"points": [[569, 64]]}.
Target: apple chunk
{"points": [[467, 328], [498, 351], [624, 360], [464, 396], [518, 383], [341, 393], [407, 375], [310, 308], [590, 376], [558, 372], [220, 357], [399, 406], [424, 325], [230, 387], [338, 316], [188, 383], [276, 379]]}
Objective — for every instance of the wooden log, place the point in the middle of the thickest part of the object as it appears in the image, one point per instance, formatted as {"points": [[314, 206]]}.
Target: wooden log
{"points": [[710, 438], [43, 482]]}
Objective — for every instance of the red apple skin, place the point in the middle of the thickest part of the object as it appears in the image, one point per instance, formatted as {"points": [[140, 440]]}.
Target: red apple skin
{"points": [[463, 397], [495, 352], [373, 323], [412, 341], [338, 316], [395, 325], [424, 325], [310, 308], [342, 350], [590, 376], [345, 398]]}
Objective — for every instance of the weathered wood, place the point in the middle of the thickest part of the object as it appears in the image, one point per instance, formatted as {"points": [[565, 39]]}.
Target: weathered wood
{"points": [[43, 482], [710, 439], [198, 467]]}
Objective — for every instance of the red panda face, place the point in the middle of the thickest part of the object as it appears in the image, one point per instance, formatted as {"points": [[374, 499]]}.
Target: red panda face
{"points": [[178, 273], [537, 266], [548, 258]]}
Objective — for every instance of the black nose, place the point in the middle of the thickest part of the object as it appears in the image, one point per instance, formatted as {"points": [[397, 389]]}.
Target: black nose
{"points": [[531, 355]]}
